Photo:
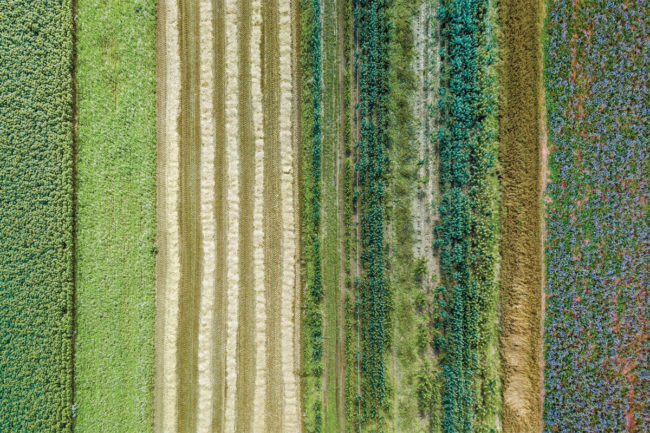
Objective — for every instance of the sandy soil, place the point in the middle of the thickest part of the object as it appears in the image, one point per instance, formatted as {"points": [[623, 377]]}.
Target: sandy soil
{"points": [[208, 222], [291, 419], [232, 207], [168, 210]]}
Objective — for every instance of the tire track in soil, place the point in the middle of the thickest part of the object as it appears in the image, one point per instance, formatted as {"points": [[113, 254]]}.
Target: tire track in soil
{"points": [[246, 355], [221, 191], [272, 216], [190, 228]]}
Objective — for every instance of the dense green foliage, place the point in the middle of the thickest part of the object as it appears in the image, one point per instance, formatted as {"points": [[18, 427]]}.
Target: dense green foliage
{"points": [[372, 167], [36, 216], [466, 235], [311, 66], [115, 256]]}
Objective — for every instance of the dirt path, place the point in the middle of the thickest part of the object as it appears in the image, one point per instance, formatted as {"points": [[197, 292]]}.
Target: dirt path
{"points": [[206, 332], [168, 209], [521, 276]]}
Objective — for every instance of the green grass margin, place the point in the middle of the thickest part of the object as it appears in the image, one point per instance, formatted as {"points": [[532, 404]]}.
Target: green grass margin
{"points": [[115, 256]]}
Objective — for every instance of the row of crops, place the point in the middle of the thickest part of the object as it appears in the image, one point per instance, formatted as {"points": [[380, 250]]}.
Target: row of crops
{"points": [[598, 232], [36, 216], [77, 212]]}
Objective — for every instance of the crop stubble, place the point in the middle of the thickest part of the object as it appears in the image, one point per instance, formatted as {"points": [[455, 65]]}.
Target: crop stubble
{"points": [[227, 218]]}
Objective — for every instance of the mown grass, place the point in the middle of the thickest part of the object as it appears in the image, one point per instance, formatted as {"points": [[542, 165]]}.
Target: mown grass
{"points": [[36, 216], [115, 216]]}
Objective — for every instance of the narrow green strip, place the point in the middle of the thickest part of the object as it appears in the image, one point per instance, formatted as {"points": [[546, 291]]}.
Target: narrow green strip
{"points": [[115, 216]]}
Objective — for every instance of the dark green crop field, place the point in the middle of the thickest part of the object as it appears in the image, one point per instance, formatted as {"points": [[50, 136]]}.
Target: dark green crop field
{"points": [[36, 216]]}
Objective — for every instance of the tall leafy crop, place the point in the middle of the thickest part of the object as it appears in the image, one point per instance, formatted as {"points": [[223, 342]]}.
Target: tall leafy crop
{"points": [[372, 167], [466, 234], [36, 228], [596, 334]]}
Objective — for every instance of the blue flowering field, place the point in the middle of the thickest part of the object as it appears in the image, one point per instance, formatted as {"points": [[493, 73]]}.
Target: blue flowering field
{"points": [[598, 230]]}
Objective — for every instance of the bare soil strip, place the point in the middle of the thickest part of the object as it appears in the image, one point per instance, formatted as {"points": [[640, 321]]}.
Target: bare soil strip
{"points": [[168, 209], [246, 355], [206, 334], [291, 416], [272, 215], [232, 239], [521, 276], [259, 406]]}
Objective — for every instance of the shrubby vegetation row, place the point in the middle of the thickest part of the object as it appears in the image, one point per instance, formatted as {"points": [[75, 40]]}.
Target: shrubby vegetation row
{"points": [[466, 236], [372, 167], [36, 216], [596, 332]]}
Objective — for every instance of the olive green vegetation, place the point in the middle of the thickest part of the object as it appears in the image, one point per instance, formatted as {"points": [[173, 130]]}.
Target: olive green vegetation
{"points": [[311, 71], [115, 255], [36, 216], [411, 330], [467, 235], [330, 231]]}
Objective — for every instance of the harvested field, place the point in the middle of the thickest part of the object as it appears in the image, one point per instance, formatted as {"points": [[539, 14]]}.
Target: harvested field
{"points": [[228, 177]]}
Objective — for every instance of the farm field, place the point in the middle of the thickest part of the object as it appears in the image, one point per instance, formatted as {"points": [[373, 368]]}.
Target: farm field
{"points": [[36, 214], [115, 216], [324, 216]]}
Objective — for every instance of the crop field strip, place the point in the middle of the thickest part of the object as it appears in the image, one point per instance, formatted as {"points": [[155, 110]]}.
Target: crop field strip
{"points": [[237, 170], [596, 327], [521, 267], [36, 211], [242, 216], [115, 216]]}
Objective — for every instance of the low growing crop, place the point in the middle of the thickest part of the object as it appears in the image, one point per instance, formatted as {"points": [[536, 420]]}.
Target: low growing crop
{"points": [[598, 232]]}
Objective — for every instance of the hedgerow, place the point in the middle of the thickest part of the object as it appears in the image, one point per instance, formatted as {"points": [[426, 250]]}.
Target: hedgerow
{"points": [[372, 167], [115, 254], [596, 330], [467, 232], [36, 216], [311, 64]]}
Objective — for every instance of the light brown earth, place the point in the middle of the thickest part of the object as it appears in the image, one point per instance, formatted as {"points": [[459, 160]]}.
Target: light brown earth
{"points": [[521, 249], [226, 329]]}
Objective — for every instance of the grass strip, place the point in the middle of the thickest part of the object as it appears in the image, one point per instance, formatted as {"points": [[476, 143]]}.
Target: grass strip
{"points": [[116, 252]]}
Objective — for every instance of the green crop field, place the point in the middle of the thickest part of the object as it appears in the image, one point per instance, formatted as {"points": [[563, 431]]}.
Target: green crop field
{"points": [[115, 255], [36, 216]]}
